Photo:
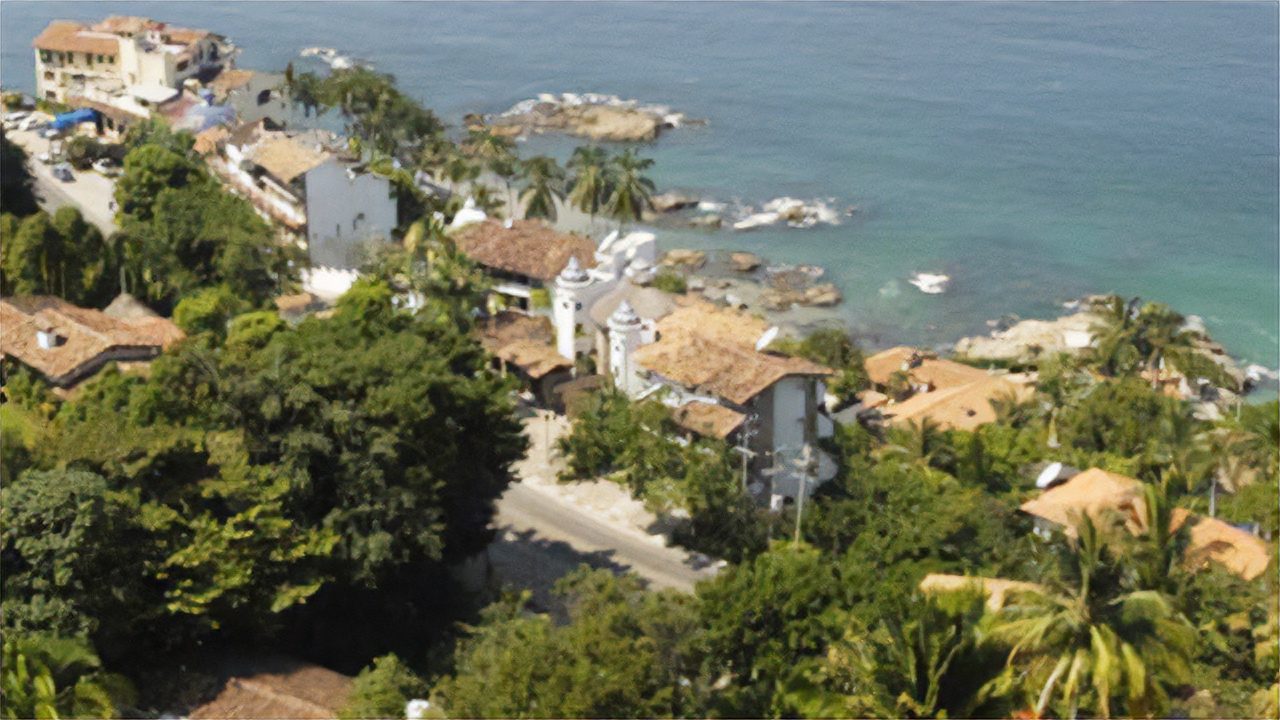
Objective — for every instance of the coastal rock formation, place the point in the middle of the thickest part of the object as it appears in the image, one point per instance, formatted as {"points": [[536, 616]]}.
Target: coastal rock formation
{"points": [[823, 295], [672, 201], [1029, 339], [744, 261], [707, 221], [795, 213], [690, 259], [597, 117]]}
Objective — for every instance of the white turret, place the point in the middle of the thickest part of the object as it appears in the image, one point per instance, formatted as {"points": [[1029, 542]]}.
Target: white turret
{"points": [[567, 304], [624, 338]]}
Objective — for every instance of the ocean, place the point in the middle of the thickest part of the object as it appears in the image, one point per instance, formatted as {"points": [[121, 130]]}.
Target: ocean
{"points": [[1034, 152]]}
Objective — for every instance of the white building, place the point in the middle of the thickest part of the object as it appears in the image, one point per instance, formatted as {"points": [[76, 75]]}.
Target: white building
{"points": [[709, 364], [306, 183], [132, 56], [253, 95]]}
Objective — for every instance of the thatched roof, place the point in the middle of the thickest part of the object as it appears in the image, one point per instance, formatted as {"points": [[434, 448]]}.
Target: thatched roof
{"points": [[710, 349], [708, 419], [286, 157], [528, 247], [292, 690], [524, 341], [963, 407], [87, 336], [1093, 492], [648, 303], [996, 590], [922, 366]]}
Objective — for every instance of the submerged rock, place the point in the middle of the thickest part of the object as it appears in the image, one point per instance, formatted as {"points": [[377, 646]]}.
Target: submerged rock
{"points": [[672, 201], [691, 259], [744, 261], [590, 115]]}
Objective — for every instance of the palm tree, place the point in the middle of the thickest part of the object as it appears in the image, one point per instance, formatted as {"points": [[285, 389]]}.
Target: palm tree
{"points": [[922, 441], [1113, 333], [51, 677], [590, 183], [545, 188], [496, 154], [630, 189], [1087, 641], [1160, 335]]}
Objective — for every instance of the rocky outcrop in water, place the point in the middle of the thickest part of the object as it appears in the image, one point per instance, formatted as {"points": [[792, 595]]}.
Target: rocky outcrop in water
{"points": [[589, 115]]}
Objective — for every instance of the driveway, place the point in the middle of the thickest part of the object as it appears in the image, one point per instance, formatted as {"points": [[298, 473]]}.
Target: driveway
{"points": [[89, 191]]}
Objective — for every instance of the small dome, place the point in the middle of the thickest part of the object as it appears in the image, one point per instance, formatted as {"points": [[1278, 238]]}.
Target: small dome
{"points": [[624, 316], [573, 272]]}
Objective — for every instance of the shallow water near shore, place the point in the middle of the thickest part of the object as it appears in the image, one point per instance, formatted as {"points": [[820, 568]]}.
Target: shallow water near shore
{"points": [[1032, 152]]}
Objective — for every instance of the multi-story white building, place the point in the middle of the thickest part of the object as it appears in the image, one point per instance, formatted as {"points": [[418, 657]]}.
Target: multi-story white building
{"points": [[139, 57], [307, 184]]}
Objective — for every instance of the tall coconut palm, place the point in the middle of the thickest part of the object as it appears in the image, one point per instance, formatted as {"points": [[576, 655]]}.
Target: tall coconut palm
{"points": [[1113, 350], [496, 153], [630, 189], [590, 183], [545, 186], [1160, 334], [1086, 641]]}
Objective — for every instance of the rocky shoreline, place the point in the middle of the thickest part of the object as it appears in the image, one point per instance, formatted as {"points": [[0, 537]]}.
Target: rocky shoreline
{"points": [[588, 115]]}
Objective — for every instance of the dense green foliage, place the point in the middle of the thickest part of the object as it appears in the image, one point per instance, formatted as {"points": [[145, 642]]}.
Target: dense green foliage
{"points": [[382, 690], [59, 255], [17, 192]]}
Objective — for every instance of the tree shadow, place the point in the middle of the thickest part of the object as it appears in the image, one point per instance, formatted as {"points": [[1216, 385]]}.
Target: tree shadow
{"points": [[522, 560]]}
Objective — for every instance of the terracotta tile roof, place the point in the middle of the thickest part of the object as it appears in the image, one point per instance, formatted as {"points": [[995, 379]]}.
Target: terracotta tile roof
{"points": [[67, 36], [286, 158], [996, 590], [129, 25], [708, 419], [524, 341], [300, 692], [90, 338], [528, 247], [713, 350], [963, 407], [924, 368]]}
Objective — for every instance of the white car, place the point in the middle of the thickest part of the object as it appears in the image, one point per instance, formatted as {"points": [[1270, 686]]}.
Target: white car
{"points": [[16, 116], [30, 123], [50, 133], [62, 171], [45, 158], [106, 166]]}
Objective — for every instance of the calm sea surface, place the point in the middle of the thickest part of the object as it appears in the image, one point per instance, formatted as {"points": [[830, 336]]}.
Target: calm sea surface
{"points": [[1034, 152]]}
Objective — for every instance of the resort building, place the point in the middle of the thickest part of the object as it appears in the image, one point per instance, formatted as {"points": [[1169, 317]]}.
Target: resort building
{"points": [[309, 185], [523, 257], [66, 343], [252, 96], [910, 385], [1106, 496], [132, 57], [711, 366]]}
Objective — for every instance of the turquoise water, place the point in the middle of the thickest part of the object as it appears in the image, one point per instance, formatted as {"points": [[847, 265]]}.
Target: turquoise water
{"points": [[1034, 152]]}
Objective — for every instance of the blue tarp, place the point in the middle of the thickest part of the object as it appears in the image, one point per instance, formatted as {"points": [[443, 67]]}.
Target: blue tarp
{"points": [[73, 118]]}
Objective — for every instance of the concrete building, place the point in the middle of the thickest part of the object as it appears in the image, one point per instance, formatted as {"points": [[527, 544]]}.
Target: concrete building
{"points": [[712, 367], [309, 185], [134, 57], [253, 96]]}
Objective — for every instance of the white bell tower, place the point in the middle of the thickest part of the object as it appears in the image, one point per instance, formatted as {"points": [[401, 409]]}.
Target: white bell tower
{"points": [[567, 304], [624, 338]]}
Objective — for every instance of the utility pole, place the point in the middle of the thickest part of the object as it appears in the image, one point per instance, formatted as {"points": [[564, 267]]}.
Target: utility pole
{"points": [[744, 445], [804, 461]]}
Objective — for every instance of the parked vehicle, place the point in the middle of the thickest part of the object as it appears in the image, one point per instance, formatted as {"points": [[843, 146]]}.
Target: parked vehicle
{"points": [[62, 171], [50, 133], [31, 122], [45, 158], [107, 166], [16, 116]]}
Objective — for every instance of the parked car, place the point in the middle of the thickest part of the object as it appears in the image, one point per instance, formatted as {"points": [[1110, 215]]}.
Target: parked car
{"points": [[16, 116], [50, 133], [107, 166], [31, 122], [45, 158], [62, 171]]}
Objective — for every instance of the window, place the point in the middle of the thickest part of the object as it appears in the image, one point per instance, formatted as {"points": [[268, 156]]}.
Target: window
{"points": [[48, 75], [111, 58], [182, 66], [102, 58], [264, 97], [45, 56], [88, 58]]}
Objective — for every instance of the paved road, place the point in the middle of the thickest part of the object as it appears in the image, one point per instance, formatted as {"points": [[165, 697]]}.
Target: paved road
{"points": [[530, 516], [89, 191]]}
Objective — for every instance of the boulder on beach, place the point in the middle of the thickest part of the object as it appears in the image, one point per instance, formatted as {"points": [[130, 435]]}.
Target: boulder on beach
{"points": [[707, 221], [744, 261], [824, 295], [679, 258]]}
